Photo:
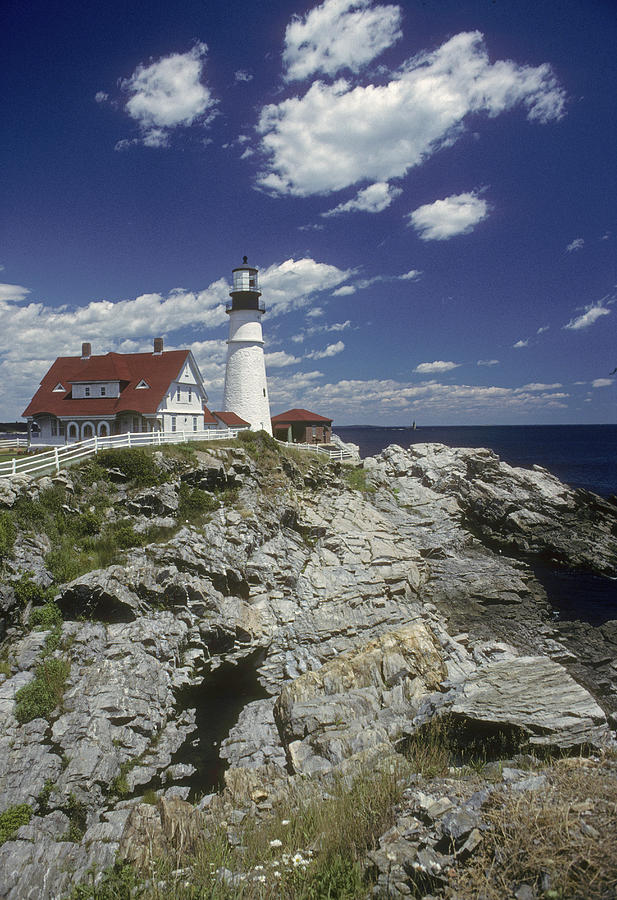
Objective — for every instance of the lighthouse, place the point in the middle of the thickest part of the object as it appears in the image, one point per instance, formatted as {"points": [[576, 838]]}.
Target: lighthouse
{"points": [[246, 389]]}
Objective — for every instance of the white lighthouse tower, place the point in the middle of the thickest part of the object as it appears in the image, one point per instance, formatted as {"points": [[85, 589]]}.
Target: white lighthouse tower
{"points": [[246, 389]]}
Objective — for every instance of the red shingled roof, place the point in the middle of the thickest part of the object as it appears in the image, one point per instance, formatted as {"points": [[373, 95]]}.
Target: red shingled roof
{"points": [[298, 415], [158, 371], [230, 419], [208, 417]]}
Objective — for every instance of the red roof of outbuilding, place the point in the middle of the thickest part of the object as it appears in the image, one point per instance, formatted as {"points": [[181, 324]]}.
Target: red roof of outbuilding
{"points": [[298, 415], [208, 417], [230, 419], [157, 370]]}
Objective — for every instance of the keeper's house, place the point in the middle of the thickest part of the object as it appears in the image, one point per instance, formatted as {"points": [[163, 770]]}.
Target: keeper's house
{"points": [[83, 396], [300, 426]]}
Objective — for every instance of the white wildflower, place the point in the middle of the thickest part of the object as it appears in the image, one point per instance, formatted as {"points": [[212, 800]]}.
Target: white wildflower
{"points": [[276, 843]]}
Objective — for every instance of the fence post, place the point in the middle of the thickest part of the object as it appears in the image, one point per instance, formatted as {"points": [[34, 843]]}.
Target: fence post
{"points": [[56, 460], [184, 436], [128, 439], [159, 438], [96, 444], [14, 467]]}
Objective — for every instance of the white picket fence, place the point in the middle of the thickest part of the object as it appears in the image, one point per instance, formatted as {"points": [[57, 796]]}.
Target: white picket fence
{"points": [[60, 457], [13, 443], [340, 454]]}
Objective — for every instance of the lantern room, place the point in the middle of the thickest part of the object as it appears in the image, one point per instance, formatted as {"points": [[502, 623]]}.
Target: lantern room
{"points": [[245, 293]]}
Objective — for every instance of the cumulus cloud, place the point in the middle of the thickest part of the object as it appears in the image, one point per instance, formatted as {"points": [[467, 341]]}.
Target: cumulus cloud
{"points": [[412, 275], [13, 293], [428, 368], [101, 96], [167, 94], [396, 401], [337, 135], [243, 76], [339, 34], [443, 219], [535, 386], [345, 291], [521, 343], [330, 350], [373, 199], [542, 329], [602, 382], [293, 283], [279, 358], [592, 314], [576, 244], [488, 362]]}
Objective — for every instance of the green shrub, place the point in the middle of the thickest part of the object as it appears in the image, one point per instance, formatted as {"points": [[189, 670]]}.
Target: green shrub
{"points": [[63, 563], [46, 617], [28, 591], [77, 814], [41, 696], [136, 464], [7, 535], [5, 668], [12, 819], [193, 502]]}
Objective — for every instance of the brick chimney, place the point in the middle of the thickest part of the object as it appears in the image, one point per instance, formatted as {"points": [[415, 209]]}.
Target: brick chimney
{"points": [[86, 351], [158, 346]]}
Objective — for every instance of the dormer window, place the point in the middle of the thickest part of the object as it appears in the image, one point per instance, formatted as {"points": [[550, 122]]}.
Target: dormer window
{"points": [[178, 395], [141, 386], [103, 390], [59, 387], [87, 391]]}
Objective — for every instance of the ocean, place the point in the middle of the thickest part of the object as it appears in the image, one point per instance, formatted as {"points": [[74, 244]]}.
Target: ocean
{"points": [[583, 456]]}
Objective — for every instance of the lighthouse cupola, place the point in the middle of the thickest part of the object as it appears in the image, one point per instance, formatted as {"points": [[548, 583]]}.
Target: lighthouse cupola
{"points": [[246, 387], [245, 293]]}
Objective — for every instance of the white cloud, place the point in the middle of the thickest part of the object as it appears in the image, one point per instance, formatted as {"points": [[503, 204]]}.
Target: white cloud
{"points": [[438, 366], [487, 362], [337, 135], [279, 359], [315, 312], [591, 315], [101, 96], [167, 94], [443, 219], [542, 329], [338, 34], [412, 275], [294, 283], [345, 291], [576, 244], [602, 382], [373, 199], [387, 399], [330, 350], [242, 75], [12, 293], [521, 343], [534, 386]]}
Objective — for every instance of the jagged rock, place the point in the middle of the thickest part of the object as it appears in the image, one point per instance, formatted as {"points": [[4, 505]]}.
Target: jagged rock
{"points": [[352, 702], [535, 695], [159, 501]]}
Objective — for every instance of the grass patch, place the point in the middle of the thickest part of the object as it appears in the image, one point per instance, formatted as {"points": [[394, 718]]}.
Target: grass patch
{"points": [[12, 819], [46, 618], [28, 591], [356, 479], [77, 814], [44, 693], [7, 535], [561, 841]]}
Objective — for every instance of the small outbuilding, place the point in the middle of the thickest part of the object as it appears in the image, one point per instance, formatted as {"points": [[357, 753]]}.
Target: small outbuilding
{"points": [[300, 426]]}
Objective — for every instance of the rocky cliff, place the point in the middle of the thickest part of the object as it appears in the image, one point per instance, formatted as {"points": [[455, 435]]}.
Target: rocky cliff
{"points": [[361, 607]]}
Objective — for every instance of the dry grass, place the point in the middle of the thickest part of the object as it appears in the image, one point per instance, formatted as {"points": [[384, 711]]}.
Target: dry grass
{"points": [[560, 840]]}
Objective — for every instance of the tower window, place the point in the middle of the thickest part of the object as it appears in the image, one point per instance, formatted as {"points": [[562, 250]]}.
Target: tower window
{"points": [[87, 391], [103, 391], [264, 390]]}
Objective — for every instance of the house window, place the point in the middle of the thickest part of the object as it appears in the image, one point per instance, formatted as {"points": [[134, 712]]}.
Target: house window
{"points": [[61, 428], [173, 423], [194, 423], [178, 395], [103, 391], [54, 427], [87, 391], [190, 395]]}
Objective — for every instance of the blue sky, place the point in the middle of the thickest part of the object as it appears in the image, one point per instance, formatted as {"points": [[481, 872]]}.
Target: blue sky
{"points": [[428, 189]]}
